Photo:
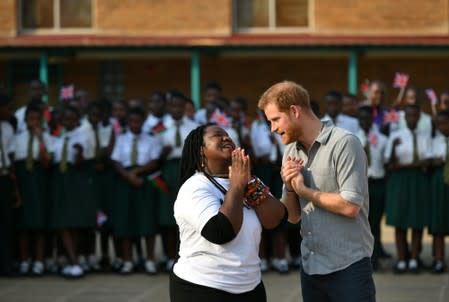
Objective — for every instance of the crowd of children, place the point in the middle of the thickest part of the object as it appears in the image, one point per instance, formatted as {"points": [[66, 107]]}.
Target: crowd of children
{"points": [[87, 170]]}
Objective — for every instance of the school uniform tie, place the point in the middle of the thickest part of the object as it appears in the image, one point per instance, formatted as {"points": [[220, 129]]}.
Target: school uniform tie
{"points": [[368, 152], [2, 151], [97, 145], [134, 152], [29, 160], [64, 155], [178, 134], [446, 164], [415, 147]]}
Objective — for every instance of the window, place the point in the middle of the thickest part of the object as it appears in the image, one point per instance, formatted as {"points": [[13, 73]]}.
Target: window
{"points": [[55, 15], [271, 15], [111, 80]]}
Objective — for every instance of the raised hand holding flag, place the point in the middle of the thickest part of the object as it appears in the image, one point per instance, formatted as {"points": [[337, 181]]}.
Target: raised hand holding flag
{"points": [[432, 96], [400, 80]]}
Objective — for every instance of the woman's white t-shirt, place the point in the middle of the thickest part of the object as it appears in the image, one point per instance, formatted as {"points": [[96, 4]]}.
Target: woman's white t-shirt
{"points": [[232, 267]]}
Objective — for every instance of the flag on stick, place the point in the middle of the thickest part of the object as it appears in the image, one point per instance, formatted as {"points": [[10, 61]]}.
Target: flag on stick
{"points": [[400, 80], [158, 182]]}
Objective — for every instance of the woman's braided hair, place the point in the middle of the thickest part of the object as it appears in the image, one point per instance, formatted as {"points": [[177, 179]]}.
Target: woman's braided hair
{"points": [[191, 160]]}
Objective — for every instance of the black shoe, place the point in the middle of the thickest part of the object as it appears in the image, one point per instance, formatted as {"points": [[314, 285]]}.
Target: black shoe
{"points": [[414, 266], [438, 267]]}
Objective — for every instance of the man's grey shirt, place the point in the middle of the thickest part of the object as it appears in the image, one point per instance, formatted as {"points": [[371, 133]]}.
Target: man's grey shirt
{"points": [[336, 163]]}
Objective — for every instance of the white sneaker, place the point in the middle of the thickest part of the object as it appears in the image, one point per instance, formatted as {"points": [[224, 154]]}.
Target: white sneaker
{"points": [[150, 267], [280, 265], [76, 271], [38, 268], [263, 265], [24, 267], [127, 268]]}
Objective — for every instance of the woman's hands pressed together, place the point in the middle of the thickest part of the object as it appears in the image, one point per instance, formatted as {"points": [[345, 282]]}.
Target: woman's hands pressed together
{"points": [[240, 170]]}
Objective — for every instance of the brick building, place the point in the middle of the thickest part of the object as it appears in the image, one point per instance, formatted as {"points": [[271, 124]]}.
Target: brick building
{"points": [[128, 48]]}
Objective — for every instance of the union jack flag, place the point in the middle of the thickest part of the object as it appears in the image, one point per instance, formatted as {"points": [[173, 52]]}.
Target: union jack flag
{"points": [[432, 96], [221, 119], [67, 92], [400, 80], [391, 117]]}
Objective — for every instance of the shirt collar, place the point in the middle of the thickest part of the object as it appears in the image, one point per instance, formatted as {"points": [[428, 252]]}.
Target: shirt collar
{"points": [[322, 137]]}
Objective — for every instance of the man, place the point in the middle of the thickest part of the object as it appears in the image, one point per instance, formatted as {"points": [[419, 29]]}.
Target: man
{"points": [[324, 172]]}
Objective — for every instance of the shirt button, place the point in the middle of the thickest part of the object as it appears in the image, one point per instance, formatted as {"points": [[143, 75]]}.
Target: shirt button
{"points": [[309, 233], [308, 169], [311, 253]]}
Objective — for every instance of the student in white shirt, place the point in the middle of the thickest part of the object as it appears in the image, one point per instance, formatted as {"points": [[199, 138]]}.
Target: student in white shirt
{"points": [[374, 144], [172, 142], [408, 154], [220, 211], [439, 212], [157, 115], [268, 150], [32, 162], [73, 207], [413, 97], [135, 155], [333, 101]]}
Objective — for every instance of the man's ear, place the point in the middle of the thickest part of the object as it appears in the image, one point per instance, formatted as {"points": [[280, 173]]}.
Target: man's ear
{"points": [[295, 111]]}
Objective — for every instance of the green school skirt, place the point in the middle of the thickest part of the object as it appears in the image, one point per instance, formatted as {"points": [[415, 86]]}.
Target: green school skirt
{"points": [[104, 191], [135, 209], [33, 188], [439, 208], [73, 202], [170, 172], [408, 199]]}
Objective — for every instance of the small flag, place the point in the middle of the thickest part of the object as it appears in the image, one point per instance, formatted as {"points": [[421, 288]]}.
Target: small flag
{"points": [[432, 96], [364, 88], [101, 218], [159, 128], [372, 138], [67, 92], [391, 117], [400, 80], [116, 127], [158, 182], [47, 115], [58, 131], [221, 119]]}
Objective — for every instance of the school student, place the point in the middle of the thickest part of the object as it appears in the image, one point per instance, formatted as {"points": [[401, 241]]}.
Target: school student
{"points": [[73, 207], [135, 155], [172, 142], [439, 209], [32, 162], [408, 153]]}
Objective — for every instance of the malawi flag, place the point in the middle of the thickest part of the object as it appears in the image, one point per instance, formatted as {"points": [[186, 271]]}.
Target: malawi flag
{"points": [[158, 128], [158, 182]]}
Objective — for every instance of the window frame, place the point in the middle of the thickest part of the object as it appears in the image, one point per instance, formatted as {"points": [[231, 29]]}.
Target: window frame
{"points": [[56, 29], [272, 28]]}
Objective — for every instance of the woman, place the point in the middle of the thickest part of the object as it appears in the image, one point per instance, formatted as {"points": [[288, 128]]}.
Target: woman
{"points": [[220, 211]]}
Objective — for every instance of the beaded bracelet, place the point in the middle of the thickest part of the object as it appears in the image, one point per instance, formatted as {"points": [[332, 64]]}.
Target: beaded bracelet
{"points": [[256, 192]]}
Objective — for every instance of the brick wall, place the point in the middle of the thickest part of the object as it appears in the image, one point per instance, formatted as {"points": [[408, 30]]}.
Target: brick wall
{"points": [[8, 26], [381, 17], [164, 17]]}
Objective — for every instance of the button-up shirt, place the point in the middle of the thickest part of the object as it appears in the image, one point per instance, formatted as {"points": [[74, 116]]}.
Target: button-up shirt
{"points": [[335, 163], [148, 149]]}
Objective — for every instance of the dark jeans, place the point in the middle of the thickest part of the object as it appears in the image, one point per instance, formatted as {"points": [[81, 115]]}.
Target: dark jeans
{"points": [[184, 291], [353, 284]]}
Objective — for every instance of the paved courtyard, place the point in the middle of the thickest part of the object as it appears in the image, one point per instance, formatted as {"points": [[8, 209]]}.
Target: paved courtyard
{"points": [[280, 288]]}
